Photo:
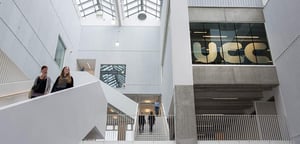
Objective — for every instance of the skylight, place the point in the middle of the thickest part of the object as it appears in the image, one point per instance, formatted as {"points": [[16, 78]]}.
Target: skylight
{"points": [[88, 7], [120, 12]]}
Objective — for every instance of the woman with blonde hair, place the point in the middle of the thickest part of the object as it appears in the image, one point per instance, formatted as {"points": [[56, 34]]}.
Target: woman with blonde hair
{"points": [[64, 81]]}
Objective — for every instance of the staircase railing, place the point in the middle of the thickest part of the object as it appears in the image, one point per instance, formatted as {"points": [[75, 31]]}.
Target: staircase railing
{"points": [[241, 127], [14, 92]]}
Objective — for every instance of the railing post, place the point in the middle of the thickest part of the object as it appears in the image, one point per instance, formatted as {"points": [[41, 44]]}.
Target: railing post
{"points": [[259, 127]]}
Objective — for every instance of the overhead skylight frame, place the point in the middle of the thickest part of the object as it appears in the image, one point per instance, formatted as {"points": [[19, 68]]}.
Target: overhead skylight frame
{"points": [[132, 7], [88, 7]]}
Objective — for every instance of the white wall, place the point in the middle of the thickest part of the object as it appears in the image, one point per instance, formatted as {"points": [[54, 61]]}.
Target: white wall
{"points": [[167, 75], [9, 72], [175, 53], [64, 117], [282, 25], [120, 101], [29, 32], [138, 49], [181, 47]]}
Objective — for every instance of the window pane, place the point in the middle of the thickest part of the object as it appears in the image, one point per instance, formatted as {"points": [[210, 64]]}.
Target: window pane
{"points": [[260, 44], [213, 43], [230, 46], [199, 52], [244, 37], [60, 52], [113, 74]]}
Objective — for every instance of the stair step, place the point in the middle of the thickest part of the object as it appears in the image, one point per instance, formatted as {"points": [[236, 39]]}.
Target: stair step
{"points": [[158, 134]]}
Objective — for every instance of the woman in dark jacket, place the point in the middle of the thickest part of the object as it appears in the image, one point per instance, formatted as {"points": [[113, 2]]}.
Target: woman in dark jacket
{"points": [[64, 81], [41, 84]]}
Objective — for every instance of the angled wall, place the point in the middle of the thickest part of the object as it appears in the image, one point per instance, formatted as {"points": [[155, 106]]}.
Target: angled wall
{"points": [[30, 29], [282, 25]]}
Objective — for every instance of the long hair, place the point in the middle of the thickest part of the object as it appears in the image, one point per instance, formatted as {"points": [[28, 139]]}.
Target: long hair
{"points": [[68, 76]]}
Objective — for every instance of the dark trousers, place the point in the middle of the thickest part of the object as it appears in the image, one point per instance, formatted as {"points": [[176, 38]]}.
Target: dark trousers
{"points": [[156, 110], [151, 127], [141, 127]]}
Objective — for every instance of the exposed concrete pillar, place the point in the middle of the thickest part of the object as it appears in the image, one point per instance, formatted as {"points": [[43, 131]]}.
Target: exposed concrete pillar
{"points": [[185, 119], [184, 106]]}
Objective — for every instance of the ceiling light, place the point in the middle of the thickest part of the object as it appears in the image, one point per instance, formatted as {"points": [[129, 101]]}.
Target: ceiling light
{"points": [[117, 44], [147, 101], [214, 36], [229, 98], [247, 37], [200, 32], [147, 110]]}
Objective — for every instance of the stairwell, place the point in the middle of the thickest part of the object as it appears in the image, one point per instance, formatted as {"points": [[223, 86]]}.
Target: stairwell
{"points": [[159, 132]]}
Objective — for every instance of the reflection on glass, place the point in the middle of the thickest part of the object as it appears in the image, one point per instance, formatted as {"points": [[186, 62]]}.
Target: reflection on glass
{"points": [[229, 43]]}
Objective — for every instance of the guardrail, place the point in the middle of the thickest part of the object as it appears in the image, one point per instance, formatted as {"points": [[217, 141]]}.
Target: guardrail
{"points": [[209, 128], [241, 127]]}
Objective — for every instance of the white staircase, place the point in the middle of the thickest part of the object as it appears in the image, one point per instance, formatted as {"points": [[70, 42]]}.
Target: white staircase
{"points": [[159, 132]]}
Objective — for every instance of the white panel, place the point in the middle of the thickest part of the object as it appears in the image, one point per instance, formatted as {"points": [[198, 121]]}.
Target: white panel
{"points": [[30, 29], [181, 47], [167, 76], [282, 26], [69, 21], [120, 101], [139, 50]]}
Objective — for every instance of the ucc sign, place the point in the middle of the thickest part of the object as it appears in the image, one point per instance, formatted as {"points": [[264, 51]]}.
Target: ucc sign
{"points": [[228, 48]]}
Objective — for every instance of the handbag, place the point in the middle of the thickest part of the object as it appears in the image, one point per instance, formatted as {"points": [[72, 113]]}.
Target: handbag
{"points": [[30, 94]]}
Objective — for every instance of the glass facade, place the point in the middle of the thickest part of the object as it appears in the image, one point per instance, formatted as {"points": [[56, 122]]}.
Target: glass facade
{"points": [[230, 43]]}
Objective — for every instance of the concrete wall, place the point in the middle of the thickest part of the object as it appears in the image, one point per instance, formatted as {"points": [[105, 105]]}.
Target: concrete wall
{"points": [[30, 29], [226, 74], [236, 15], [282, 24], [138, 49]]}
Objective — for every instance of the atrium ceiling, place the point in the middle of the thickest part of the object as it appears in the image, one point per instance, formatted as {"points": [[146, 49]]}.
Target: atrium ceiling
{"points": [[119, 12]]}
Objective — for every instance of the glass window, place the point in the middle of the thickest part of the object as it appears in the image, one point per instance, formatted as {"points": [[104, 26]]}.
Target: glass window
{"points": [[60, 52], [260, 44], [230, 46], [229, 43], [113, 74], [243, 37], [213, 43]]}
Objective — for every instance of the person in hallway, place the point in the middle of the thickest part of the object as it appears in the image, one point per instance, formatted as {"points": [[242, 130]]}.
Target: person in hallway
{"points": [[142, 122], [156, 107], [64, 80], [41, 84], [151, 121]]}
